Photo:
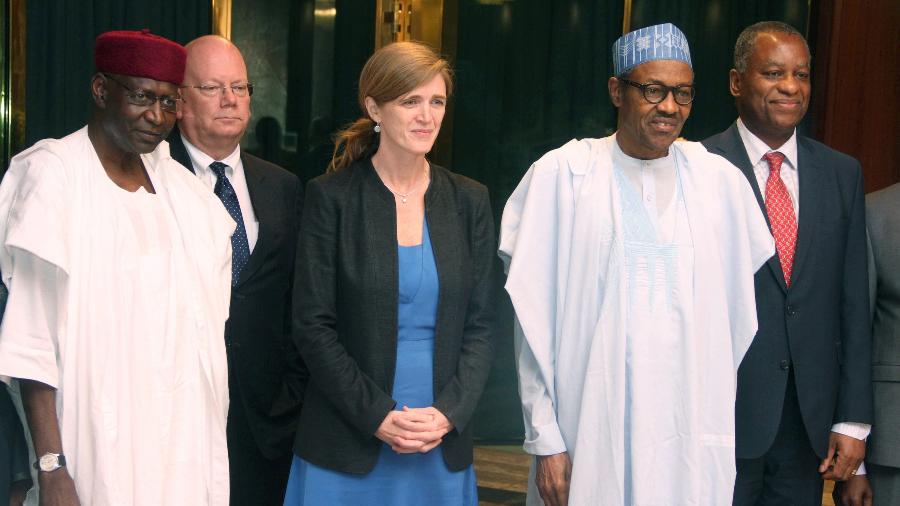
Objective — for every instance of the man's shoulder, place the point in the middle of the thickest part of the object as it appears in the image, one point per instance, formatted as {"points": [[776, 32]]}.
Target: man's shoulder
{"points": [[275, 171], [721, 141], [884, 200], [574, 155], [825, 152]]}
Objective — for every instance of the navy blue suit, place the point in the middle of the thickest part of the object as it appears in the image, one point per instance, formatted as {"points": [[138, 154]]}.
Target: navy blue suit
{"points": [[814, 336]]}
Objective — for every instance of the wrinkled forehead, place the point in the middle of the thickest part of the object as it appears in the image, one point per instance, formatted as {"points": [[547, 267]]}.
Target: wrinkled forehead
{"points": [[668, 72]]}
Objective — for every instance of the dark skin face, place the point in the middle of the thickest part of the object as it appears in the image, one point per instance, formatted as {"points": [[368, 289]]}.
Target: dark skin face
{"points": [[772, 94], [133, 129], [645, 130], [121, 131]]}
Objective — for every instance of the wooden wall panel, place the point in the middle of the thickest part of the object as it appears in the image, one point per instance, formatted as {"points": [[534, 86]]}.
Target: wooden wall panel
{"points": [[856, 91]]}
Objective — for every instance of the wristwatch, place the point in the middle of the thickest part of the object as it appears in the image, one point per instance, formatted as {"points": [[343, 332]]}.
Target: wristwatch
{"points": [[50, 462]]}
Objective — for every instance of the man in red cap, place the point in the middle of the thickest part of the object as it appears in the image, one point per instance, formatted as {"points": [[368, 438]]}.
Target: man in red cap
{"points": [[118, 264]]}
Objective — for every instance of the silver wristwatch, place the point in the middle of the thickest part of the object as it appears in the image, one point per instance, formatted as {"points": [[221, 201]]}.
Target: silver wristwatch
{"points": [[50, 462]]}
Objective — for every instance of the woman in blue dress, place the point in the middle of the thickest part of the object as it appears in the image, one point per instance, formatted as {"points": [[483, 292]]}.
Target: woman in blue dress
{"points": [[393, 303]]}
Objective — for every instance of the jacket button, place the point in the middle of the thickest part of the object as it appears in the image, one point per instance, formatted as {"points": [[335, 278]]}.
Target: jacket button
{"points": [[785, 365], [790, 310]]}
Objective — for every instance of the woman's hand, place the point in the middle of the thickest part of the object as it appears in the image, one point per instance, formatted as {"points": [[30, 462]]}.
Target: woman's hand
{"points": [[413, 429]]}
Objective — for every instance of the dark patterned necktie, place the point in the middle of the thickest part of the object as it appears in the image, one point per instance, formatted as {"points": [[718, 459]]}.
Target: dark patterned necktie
{"points": [[780, 209], [240, 248]]}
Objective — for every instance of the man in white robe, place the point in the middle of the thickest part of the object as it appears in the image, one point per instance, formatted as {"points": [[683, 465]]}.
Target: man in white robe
{"points": [[630, 266], [118, 264]]}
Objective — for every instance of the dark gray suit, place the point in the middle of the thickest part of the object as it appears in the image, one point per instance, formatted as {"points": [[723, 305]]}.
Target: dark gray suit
{"points": [[814, 335], [265, 374], [883, 455]]}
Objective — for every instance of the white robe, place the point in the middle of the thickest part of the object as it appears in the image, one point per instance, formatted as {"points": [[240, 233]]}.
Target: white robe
{"points": [[119, 301], [564, 243]]}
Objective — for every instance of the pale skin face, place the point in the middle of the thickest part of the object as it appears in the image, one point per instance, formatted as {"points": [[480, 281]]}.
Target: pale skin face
{"points": [[410, 123], [214, 124], [772, 94], [646, 130]]}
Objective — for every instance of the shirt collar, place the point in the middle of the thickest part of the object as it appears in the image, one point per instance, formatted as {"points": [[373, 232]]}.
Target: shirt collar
{"points": [[756, 148], [202, 160]]}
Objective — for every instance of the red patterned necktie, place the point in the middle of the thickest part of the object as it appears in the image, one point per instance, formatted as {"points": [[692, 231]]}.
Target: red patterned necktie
{"points": [[780, 209]]}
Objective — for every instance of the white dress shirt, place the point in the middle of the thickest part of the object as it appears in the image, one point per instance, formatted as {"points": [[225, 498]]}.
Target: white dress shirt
{"points": [[756, 149], [235, 174]]}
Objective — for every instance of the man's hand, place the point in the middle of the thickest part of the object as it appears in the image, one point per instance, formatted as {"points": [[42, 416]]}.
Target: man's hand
{"points": [[845, 454], [57, 489], [18, 491], [853, 492], [552, 477]]}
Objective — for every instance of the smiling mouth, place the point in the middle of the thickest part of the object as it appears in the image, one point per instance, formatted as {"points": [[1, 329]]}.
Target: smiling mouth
{"points": [[153, 136], [664, 125]]}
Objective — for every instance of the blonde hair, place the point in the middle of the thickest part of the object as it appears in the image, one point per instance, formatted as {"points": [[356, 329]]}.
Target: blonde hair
{"points": [[392, 71]]}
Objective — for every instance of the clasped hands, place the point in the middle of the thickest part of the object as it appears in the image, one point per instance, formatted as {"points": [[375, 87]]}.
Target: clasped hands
{"points": [[414, 430]]}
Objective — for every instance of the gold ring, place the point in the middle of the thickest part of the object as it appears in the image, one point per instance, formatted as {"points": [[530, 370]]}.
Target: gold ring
{"points": [[853, 472]]}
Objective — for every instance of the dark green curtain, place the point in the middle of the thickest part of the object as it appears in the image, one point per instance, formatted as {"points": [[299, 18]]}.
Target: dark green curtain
{"points": [[712, 27], [60, 51], [531, 75]]}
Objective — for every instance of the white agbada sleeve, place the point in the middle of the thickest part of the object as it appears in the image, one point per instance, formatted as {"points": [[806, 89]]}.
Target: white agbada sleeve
{"points": [[543, 201], [33, 263], [28, 339]]}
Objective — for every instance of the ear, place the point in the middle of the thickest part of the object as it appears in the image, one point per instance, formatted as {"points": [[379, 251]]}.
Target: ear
{"points": [[372, 109], [615, 89], [734, 83], [99, 90]]}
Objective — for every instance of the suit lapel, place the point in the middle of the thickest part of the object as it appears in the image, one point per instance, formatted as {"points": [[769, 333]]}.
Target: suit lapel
{"points": [[810, 202], [732, 148], [264, 211], [177, 150], [440, 212]]}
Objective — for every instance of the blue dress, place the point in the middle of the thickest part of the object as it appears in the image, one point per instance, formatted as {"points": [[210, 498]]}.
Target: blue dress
{"points": [[398, 479]]}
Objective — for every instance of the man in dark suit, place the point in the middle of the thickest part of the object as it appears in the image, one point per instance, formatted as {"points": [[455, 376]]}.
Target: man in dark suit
{"points": [[264, 371], [883, 459], [804, 394]]}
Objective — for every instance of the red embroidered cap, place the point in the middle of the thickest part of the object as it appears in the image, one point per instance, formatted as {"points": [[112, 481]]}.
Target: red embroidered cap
{"points": [[140, 54]]}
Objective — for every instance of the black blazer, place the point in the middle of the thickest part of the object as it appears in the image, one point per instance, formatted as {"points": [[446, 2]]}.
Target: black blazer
{"points": [[266, 375], [345, 313], [820, 325]]}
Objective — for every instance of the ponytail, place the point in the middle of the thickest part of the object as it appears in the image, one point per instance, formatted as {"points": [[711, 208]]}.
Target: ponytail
{"points": [[353, 143]]}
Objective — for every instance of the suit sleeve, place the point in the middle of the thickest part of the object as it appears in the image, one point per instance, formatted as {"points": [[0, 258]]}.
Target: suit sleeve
{"points": [[296, 374], [333, 371], [855, 394], [458, 399]]}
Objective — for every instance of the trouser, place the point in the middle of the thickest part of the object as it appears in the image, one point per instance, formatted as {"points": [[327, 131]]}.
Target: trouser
{"points": [[787, 474], [255, 479]]}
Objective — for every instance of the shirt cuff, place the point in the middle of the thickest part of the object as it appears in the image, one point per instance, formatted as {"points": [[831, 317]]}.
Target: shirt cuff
{"points": [[861, 470], [545, 440], [853, 429]]}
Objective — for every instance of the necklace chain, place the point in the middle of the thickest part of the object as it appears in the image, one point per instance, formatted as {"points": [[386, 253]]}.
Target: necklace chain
{"points": [[405, 196]]}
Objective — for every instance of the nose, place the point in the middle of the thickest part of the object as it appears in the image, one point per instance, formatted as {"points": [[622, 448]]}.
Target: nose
{"points": [[789, 85], [425, 112], [228, 96], [668, 105], [154, 114]]}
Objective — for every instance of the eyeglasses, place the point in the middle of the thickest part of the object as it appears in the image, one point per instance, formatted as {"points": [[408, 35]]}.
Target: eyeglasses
{"points": [[656, 93], [143, 98], [212, 90]]}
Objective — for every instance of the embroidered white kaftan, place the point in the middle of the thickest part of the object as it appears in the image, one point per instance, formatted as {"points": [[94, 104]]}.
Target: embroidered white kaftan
{"points": [[632, 320], [119, 301]]}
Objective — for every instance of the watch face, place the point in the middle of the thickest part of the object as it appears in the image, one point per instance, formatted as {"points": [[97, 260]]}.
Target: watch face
{"points": [[49, 462]]}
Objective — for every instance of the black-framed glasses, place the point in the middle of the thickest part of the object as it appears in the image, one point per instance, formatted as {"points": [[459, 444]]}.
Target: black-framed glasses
{"points": [[656, 93], [143, 98], [212, 90]]}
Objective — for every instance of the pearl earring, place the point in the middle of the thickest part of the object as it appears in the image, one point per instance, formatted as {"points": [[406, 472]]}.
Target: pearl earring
{"points": [[377, 128]]}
